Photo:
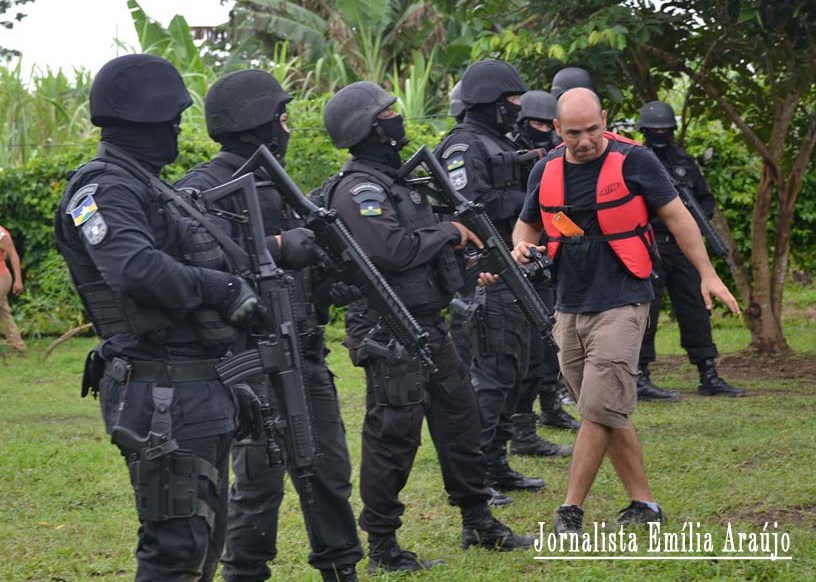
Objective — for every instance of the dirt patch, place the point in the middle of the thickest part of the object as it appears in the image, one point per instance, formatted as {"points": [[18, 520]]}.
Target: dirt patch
{"points": [[747, 366], [797, 516]]}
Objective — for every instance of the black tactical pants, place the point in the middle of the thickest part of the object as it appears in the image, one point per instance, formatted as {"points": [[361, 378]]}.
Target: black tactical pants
{"points": [[542, 374], [391, 437], [500, 362], [678, 276], [257, 492]]}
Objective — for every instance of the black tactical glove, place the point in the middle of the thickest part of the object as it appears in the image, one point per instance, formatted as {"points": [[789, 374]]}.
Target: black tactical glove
{"points": [[298, 248], [241, 302], [250, 418], [341, 294]]}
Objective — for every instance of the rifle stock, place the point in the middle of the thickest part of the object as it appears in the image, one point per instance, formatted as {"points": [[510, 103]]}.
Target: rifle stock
{"points": [[348, 261], [495, 257]]}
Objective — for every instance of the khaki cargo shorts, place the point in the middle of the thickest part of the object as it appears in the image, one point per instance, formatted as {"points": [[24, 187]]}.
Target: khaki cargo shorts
{"points": [[598, 354]]}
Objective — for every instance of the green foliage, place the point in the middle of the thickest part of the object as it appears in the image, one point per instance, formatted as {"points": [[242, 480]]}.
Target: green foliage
{"points": [[42, 114]]}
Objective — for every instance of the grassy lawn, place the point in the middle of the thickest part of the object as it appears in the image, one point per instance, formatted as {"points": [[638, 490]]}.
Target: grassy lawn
{"points": [[66, 511]]}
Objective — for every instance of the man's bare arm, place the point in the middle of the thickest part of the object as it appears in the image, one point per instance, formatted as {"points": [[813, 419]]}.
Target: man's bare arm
{"points": [[688, 237], [525, 235]]}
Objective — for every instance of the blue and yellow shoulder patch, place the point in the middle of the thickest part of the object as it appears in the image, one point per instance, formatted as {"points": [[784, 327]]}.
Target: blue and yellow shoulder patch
{"points": [[369, 198], [82, 205]]}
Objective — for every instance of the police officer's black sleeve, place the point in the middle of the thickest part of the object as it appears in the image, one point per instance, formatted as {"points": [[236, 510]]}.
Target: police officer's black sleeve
{"points": [[129, 261], [531, 213], [644, 174], [500, 203], [391, 247]]}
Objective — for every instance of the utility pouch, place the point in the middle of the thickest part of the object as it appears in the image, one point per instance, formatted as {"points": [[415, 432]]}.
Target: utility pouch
{"points": [[393, 383], [92, 373], [505, 169]]}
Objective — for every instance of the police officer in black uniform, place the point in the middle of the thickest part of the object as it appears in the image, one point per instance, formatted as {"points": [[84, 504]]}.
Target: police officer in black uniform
{"points": [[675, 272], [534, 130], [396, 227], [148, 276], [483, 166], [244, 110]]}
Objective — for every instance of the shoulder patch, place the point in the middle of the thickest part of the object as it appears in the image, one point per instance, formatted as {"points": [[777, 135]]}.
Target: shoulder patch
{"points": [[95, 229], [458, 147], [88, 190], [457, 172], [84, 210], [369, 197]]}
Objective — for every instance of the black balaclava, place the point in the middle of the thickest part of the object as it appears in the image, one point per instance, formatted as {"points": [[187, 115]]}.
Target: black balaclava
{"points": [[658, 141], [271, 134], [539, 139], [154, 145], [383, 144], [501, 115]]}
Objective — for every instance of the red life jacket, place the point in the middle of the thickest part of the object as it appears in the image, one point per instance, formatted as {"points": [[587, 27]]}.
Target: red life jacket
{"points": [[622, 216]]}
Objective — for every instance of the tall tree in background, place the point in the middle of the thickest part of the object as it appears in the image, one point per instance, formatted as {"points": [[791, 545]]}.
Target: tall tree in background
{"points": [[753, 65]]}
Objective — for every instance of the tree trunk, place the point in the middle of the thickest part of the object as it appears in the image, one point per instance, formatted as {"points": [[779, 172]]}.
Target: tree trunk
{"points": [[764, 324]]}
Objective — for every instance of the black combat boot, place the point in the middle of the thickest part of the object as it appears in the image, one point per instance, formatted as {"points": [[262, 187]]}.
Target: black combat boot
{"points": [[527, 442], [500, 476], [648, 391], [499, 499], [344, 573], [480, 528], [552, 413], [385, 555], [711, 384]]}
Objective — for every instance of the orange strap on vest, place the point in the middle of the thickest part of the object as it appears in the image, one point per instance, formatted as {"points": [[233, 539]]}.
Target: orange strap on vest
{"points": [[622, 216]]}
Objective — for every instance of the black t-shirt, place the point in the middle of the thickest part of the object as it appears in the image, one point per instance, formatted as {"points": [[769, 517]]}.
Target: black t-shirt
{"points": [[590, 277]]}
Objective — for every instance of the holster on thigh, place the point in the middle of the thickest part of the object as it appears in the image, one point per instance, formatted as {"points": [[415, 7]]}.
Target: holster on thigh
{"points": [[168, 482], [173, 485], [395, 383]]}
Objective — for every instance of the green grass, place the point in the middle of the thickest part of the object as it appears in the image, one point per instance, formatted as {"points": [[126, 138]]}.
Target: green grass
{"points": [[66, 511]]}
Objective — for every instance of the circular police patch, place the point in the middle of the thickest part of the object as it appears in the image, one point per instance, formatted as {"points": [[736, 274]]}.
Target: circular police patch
{"points": [[416, 198], [95, 229]]}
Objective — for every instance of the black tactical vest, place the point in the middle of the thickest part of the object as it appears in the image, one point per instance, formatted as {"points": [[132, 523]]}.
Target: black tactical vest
{"points": [[426, 288], [177, 235], [277, 217]]}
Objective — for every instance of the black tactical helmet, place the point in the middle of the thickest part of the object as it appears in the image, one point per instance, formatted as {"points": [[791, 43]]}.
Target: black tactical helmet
{"points": [[457, 108], [657, 115], [537, 105], [242, 100], [486, 82], [351, 113], [570, 78], [138, 89]]}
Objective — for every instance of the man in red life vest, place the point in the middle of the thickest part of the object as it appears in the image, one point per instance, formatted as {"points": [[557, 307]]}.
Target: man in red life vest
{"points": [[592, 197]]}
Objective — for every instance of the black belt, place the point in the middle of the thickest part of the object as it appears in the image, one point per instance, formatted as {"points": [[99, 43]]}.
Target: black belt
{"points": [[160, 372]]}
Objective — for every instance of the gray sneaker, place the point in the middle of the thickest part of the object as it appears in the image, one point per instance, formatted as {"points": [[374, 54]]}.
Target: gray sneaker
{"points": [[569, 519]]}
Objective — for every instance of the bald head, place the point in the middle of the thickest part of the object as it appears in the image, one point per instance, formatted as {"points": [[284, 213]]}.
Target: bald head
{"points": [[581, 121], [578, 99]]}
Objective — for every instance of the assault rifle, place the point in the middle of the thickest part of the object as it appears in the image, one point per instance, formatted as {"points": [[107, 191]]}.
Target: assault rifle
{"points": [[346, 260], [495, 257], [276, 356], [718, 246]]}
